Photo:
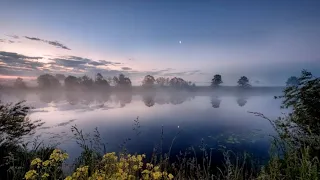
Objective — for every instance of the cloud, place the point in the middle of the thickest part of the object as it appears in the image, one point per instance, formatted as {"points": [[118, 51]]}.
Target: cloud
{"points": [[7, 41], [183, 73], [13, 36], [18, 62], [53, 43], [81, 62], [126, 68]]}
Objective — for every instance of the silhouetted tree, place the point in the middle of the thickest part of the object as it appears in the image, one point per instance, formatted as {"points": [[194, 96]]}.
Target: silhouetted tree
{"points": [[86, 82], [100, 82], [72, 82], [60, 77], [216, 81], [148, 81], [243, 81], [215, 102], [122, 82], [47, 81], [178, 83], [304, 99], [19, 84], [293, 80], [14, 123], [161, 81]]}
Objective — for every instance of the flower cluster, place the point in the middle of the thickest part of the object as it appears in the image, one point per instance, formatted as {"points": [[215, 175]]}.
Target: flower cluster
{"points": [[43, 169], [111, 167]]}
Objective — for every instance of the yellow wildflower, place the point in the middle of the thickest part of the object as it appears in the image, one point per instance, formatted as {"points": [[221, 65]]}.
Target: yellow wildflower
{"points": [[36, 161], [31, 175]]}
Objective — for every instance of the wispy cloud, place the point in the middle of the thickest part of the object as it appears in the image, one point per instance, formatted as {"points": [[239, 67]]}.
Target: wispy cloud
{"points": [[53, 43], [126, 68], [13, 36]]}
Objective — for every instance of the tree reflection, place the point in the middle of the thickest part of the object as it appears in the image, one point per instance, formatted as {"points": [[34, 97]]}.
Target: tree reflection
{"points": [[215, 102], [49, 96], [178, 98], [124, 98], [149, 98], [72, 97], [242, 101]]}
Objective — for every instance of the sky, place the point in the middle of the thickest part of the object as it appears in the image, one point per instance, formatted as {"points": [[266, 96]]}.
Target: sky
{"points": [[266, 40]]}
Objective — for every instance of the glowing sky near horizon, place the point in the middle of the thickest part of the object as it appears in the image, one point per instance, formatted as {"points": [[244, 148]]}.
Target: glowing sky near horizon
{"points": [[266, 40]]}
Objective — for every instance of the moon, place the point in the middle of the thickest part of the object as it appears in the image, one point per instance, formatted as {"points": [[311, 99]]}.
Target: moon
{"points": [[180, 42]]}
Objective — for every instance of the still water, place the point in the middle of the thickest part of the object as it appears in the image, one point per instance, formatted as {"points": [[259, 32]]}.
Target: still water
{"points": [[139, 122]]}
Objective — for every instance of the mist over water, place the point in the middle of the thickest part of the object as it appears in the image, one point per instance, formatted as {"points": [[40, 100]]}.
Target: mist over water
{"points": [[136, 119]]}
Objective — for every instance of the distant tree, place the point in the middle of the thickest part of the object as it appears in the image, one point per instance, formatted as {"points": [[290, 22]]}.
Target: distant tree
{"points": [[122, 82], [60, 77], [86, 82], [293, 80], [47, 81], [148, 81], [161, 81], [178, 83], [71, 82], [216, 81], [100, 82], [243, 81], [19, 83]]}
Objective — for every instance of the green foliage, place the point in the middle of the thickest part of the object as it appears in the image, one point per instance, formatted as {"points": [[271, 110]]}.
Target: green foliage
{"points": [[292, 81], [14, 123]]}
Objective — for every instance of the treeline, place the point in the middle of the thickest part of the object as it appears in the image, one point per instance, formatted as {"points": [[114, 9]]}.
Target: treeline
{"points": [[48, 81]]}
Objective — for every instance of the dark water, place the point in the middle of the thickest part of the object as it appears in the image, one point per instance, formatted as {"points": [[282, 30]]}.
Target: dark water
{"points": [[139, 122]]}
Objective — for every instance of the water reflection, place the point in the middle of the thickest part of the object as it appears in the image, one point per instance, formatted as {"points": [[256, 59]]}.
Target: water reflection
{"points": [[123, 98], [215, 102], [149, 99], [242, 101], [49, 96]]}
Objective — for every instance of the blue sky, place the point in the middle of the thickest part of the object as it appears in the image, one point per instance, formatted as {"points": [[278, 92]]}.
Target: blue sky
{"points": [[267, 40]]}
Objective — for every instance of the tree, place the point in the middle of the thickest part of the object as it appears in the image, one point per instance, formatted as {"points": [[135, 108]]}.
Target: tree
{"points": [[14, 123], [100, 82], [161, 81], [71, 82], [303, 98], [148, 81], [293, 80], [60, 77], [178, 83], [19, 83], [243, 81], [216, 81], [122, 82], [86, 82], [47, 81]]}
